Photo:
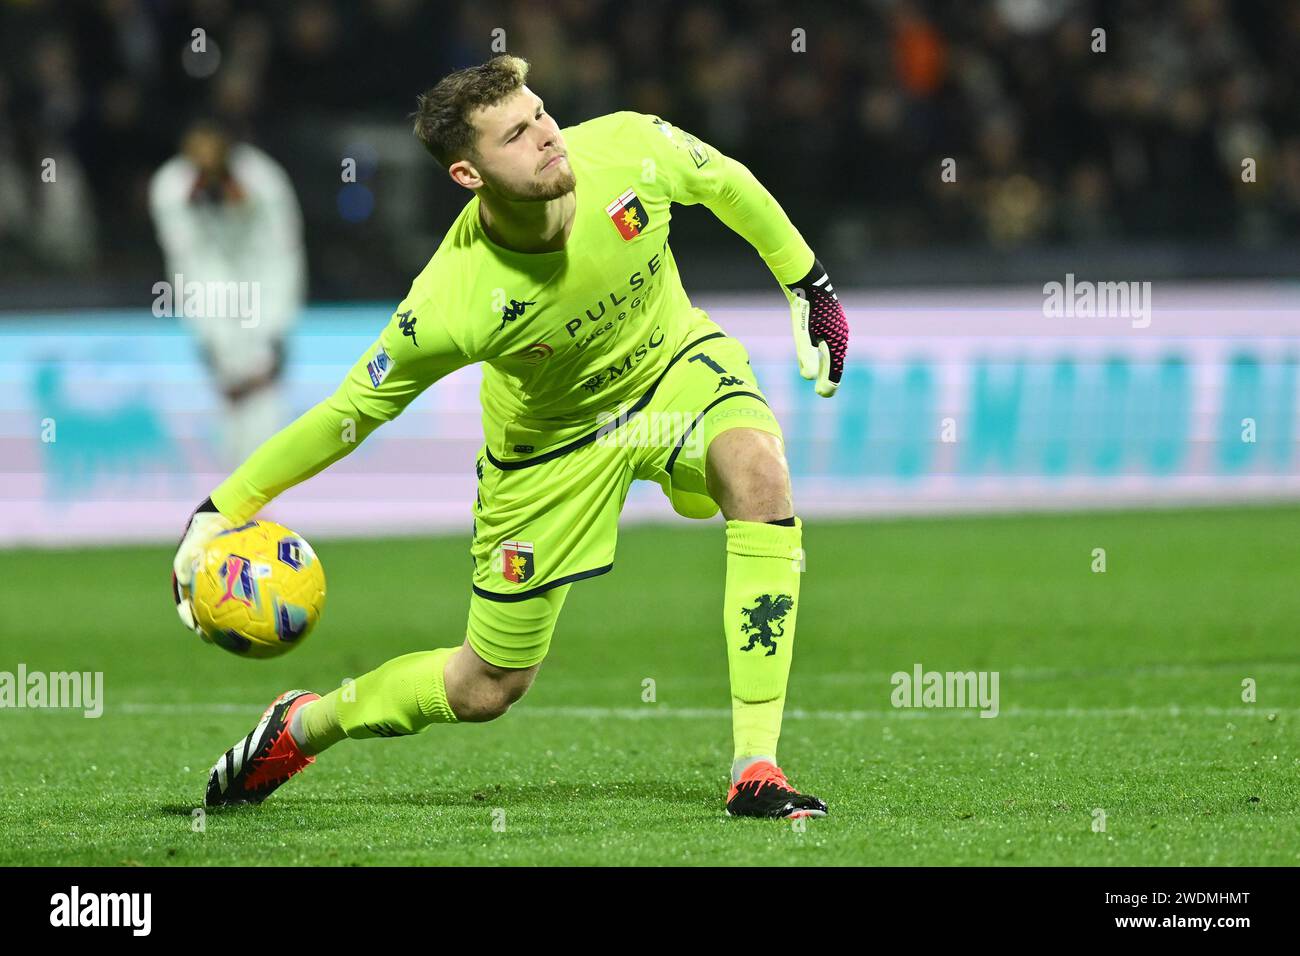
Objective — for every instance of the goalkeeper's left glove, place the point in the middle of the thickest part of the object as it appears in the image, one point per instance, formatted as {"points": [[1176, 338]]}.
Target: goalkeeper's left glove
{"points": [[821, 329]]}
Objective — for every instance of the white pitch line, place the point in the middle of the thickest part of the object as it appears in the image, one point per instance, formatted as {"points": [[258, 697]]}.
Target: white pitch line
{"points": [[661, 712]]}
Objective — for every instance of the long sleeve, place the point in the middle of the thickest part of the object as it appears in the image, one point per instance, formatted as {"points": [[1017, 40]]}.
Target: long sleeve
{"points": [[411, 354], [697, 173]]}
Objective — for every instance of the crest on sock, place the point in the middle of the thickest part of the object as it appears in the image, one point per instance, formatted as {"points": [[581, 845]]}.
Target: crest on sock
{"points": [[765, 621]]}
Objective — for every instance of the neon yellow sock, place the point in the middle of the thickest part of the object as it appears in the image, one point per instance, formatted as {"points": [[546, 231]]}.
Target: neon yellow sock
{"points": [[764, 563], [403, 696]]}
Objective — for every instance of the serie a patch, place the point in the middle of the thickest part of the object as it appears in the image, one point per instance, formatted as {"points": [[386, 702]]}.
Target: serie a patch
{"points": [[379, 367], [699, 152], [628, 215], [517, 561]]}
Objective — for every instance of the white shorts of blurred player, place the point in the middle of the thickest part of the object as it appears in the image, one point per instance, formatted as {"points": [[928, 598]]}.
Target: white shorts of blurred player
{"points": [[250, 420], [250, 380]]}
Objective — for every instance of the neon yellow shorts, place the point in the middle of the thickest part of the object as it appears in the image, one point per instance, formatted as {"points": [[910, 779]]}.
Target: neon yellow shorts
{"points": [[547, 521]]}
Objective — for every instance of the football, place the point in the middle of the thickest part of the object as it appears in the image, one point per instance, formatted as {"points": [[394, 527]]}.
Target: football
{"points": [[258, 590]]}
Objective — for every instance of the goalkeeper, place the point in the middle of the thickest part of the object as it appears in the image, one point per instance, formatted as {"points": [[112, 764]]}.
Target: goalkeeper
{"points": [[557, 276]]}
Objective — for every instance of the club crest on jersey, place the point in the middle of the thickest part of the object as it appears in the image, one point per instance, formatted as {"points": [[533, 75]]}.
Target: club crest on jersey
{"points": [[517, 561], [628, 215], [379, 367]]}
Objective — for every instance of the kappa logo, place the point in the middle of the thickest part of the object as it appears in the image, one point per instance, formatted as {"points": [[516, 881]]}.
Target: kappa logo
{"points": [[724, 380], [513, 311], [406, 322], [765, 621]]}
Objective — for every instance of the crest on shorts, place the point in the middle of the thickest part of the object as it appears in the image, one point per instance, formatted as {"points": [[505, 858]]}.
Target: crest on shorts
{"points": [[627, 213], [517, 561]]}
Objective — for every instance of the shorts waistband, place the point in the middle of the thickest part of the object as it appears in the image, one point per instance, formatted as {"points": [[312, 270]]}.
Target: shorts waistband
{"points": [[587, 439]]}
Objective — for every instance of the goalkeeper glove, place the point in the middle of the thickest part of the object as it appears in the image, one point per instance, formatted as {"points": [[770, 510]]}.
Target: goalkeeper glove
{"points": [[205, 524], [821, 329]]}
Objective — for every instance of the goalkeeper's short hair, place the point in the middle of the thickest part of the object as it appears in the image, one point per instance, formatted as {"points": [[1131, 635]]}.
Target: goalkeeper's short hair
{"points": [[442, 116]]}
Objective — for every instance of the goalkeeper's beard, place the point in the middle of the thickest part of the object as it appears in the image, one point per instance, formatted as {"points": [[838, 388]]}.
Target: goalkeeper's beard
{"points": [[557, 182]]}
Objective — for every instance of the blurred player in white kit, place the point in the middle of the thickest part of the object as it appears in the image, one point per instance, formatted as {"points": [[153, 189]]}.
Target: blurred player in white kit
{"points": [[227, 219]]}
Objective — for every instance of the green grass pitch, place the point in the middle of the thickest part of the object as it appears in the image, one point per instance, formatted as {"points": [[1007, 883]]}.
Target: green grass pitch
{"points": [[1120, 691]]}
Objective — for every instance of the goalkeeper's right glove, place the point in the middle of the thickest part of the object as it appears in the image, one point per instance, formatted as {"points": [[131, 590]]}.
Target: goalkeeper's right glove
{"points": [[205, 524]]}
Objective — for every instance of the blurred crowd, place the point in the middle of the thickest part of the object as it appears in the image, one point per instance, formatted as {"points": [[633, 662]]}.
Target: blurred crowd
{"points": [[1065, 121]]}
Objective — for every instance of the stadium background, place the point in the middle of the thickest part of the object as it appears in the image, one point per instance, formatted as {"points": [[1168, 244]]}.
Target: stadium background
{"points": [[1123, 165], [1122, 690]]}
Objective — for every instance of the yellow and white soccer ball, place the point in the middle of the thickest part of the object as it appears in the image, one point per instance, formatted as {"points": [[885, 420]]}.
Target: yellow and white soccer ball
{"points": [[258, 590]]}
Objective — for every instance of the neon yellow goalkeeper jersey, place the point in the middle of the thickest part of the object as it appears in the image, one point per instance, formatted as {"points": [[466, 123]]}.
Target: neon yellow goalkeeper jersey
{"points": [[564, 336]]}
